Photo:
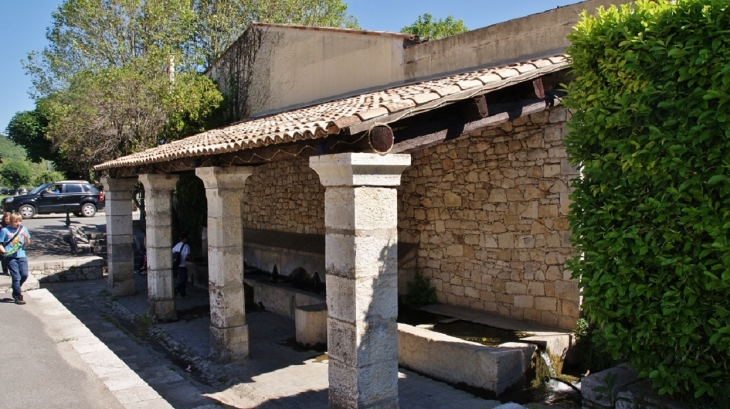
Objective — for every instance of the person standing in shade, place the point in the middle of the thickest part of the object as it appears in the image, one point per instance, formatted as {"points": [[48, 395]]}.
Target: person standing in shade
{"points": [[3, 224], [181, 253], [13, 240]]}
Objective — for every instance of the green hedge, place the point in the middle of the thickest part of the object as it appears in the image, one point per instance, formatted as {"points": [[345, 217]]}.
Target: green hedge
{"points": [[651, 220]]}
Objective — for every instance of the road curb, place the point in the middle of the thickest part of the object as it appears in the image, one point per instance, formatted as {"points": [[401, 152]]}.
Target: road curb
{"points": [[127, 387]]}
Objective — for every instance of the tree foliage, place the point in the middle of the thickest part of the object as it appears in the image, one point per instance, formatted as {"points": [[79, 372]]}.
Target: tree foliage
{"points": [[10, 150], [15, 173], [651, 219], [119, 76], [115, 111], [426, 27], [218, 23], [28, 129]]}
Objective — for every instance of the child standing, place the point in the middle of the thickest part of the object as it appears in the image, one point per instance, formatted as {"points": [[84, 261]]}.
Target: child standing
{"points": [[13, 240]]}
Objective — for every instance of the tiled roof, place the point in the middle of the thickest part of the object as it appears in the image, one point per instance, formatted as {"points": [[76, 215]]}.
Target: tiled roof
{"points": [[320, 120]]}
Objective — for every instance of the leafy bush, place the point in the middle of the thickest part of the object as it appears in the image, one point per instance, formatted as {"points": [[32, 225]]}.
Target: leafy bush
{"points": [[420, 292], [651, 219]]}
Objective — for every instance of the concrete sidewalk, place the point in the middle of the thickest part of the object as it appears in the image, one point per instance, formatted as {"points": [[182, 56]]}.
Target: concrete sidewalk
{"points": [[48, 348], [277, 374]]}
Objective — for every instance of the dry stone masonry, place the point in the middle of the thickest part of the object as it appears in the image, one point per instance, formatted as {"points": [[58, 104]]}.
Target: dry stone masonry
{"points": [[487, 212], [489, 215], [285, 196]]}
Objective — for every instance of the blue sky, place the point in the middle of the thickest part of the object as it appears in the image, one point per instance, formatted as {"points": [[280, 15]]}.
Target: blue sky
{"points": [[23, 26]]}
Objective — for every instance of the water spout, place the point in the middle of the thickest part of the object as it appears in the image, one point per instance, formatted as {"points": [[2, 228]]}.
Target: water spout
{"points": [[546, 358]]}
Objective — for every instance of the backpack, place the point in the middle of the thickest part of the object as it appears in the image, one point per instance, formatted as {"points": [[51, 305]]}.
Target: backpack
{"points": [[177, 257]]}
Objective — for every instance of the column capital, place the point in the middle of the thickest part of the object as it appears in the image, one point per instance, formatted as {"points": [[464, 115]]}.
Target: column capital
{"points": [[360, 169], [233, 177], [156, 181], [118, 184]]}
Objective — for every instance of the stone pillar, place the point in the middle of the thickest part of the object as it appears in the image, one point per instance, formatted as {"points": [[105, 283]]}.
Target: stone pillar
{"points": [[119, 235], [160, 285], [228, 328], [361, 259]]}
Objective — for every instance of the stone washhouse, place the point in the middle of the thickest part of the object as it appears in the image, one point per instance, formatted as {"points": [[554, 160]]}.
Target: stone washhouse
{"points": [[444, 158]]}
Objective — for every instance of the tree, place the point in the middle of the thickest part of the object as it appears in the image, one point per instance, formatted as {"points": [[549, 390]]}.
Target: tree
{"points": [[218, 23], [10, 150], [426, 27], [47, 176], [15, 173], [28, 129], [116, 111], [121, 76]]}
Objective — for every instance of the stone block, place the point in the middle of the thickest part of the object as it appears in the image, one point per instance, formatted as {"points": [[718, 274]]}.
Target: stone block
{"points": [[531, 193], [360, 169], [515, 288], [544, 211], [524, 301], [565, 202], [570, 308], [567, 169], [553, 133], [224, 203], [361, 208], [371, 386], [229, 344], [506, 241], [311, 324], [441, 356], [553, 258], [556, 153], [597, 399], [566, 290], [224, 233], [456, 250], [525, 242], [551, 170], [536, 288], [546, 303], [498, 196]]}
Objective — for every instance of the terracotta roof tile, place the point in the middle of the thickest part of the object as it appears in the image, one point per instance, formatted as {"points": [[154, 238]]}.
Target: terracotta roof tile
{"points": [[322, 119]]}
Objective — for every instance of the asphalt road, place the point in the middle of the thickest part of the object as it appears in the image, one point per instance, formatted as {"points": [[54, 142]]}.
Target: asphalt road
{"points": [[47, 233], [39, 371]]}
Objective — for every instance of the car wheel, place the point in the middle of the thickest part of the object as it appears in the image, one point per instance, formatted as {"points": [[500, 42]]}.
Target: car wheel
{"points": [[27, 211], [88, 209]]}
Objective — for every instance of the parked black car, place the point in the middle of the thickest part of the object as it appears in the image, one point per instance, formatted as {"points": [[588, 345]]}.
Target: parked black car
{"points": [[78, 196]]}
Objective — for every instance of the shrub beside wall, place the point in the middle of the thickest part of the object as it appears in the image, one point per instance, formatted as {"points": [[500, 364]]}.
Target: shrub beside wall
{"points": [[651, 219]]}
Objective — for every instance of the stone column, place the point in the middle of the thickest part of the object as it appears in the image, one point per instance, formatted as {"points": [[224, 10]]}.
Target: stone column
{"points": [[228, 328], [361, 259], [160, 285], [119, 234]]}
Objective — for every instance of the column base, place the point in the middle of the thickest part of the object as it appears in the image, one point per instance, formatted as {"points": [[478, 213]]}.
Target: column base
{"points": [[229, 344], [162, 310], [121, 288], [372, 386]]}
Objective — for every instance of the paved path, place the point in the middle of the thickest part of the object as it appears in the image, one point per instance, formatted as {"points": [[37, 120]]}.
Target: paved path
{"points": [[275, 376], [51, 360], [109, 356], [87, 300]]}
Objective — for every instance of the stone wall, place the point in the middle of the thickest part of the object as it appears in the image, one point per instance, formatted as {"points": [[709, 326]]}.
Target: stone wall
{"points": [[489, 215], [285, 196], [76, 269]]}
